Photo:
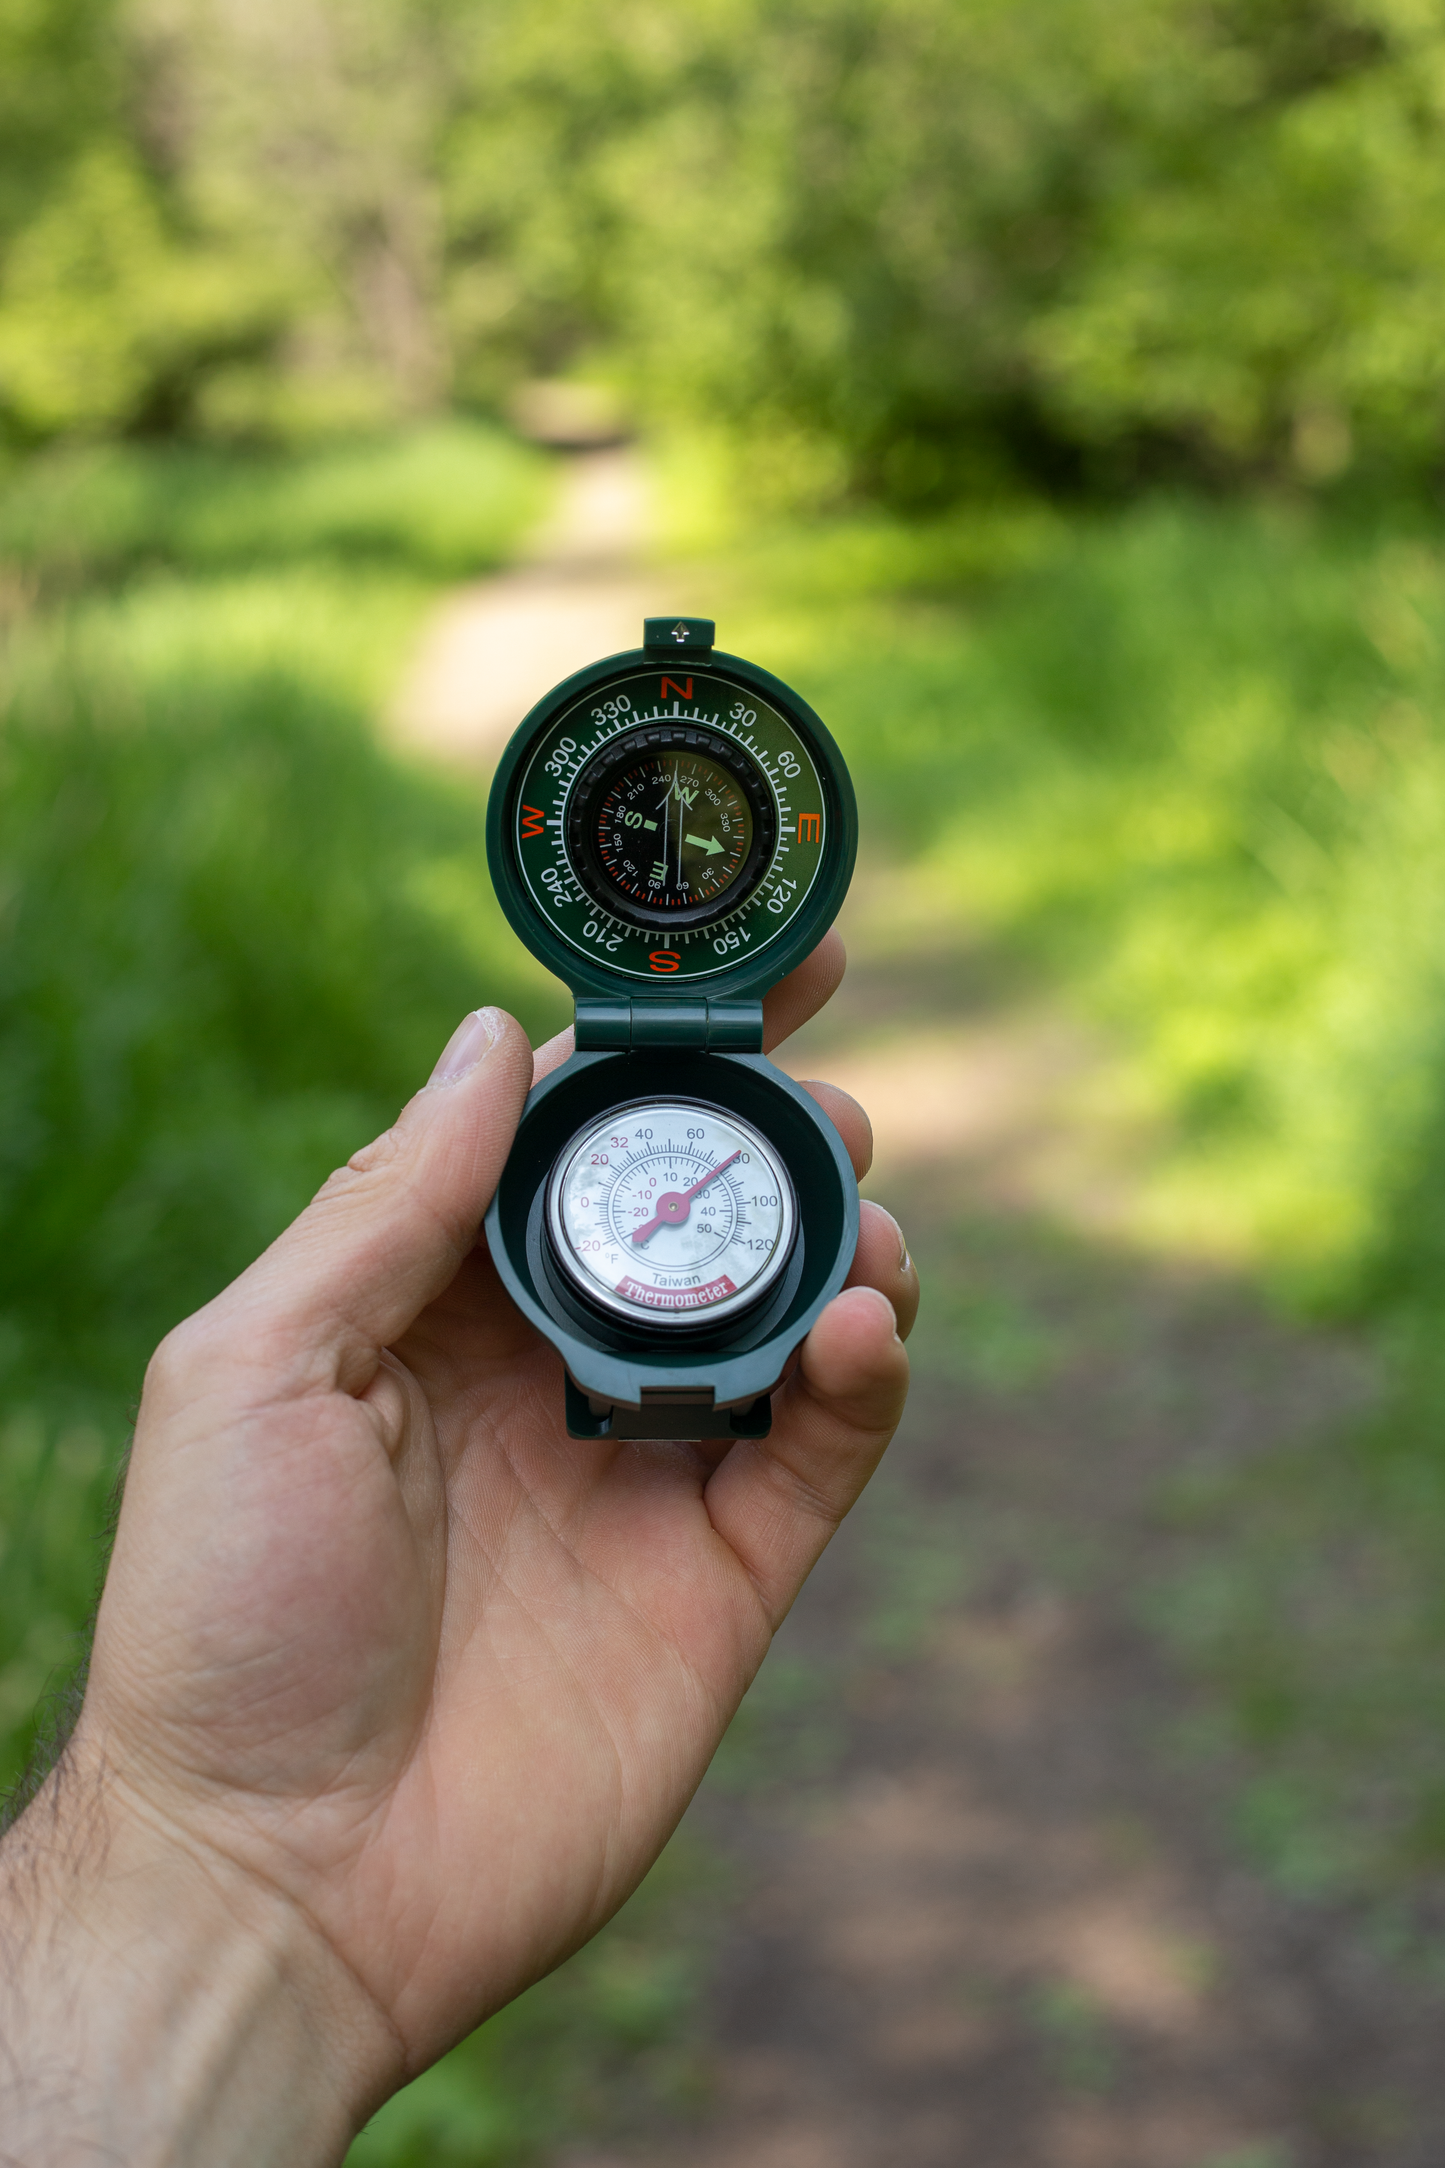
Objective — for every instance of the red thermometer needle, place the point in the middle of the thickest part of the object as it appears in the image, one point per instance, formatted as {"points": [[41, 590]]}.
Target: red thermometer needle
{"points": [[674, 1205]]}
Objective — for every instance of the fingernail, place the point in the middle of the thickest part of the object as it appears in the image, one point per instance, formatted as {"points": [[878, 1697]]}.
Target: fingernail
{"points": [[474, 1035]]}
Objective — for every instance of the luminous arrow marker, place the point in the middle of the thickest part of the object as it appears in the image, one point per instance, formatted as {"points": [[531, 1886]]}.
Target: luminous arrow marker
{"points": [[709, 844]]}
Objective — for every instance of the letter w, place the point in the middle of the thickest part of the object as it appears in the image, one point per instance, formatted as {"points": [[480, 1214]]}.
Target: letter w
{"points": [[531, 820]]}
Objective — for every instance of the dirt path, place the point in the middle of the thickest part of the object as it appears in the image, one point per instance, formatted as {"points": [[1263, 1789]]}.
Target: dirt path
{"points": [[497, 646], [988, 1910]]}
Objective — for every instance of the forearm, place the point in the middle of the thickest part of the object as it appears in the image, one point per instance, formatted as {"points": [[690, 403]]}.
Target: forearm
{"points": [[159, 2009]]}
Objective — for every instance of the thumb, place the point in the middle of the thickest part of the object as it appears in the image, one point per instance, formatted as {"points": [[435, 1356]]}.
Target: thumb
{"points": [[387, 1232]]}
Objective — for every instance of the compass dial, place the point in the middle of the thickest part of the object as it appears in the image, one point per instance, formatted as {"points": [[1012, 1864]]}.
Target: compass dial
{"points": [[671, 827], [671, 1212], [664, 824]]}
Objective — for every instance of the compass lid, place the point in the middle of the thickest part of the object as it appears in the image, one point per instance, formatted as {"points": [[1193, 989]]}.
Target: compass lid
{"points": [[671, 831]]}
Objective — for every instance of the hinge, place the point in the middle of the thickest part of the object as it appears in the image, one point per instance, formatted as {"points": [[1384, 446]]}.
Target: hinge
{"points": [[610, 1022]]}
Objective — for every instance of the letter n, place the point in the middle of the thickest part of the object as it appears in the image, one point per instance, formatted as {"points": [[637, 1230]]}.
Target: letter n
{"points": [[683, 692]]}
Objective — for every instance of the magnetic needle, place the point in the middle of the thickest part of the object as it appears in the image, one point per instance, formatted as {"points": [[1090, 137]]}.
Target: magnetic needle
{"points": [[671, 831]]}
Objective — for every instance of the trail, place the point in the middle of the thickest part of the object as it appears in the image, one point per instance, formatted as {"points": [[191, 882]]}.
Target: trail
{"points": [[497, 646], [990, 1911]]}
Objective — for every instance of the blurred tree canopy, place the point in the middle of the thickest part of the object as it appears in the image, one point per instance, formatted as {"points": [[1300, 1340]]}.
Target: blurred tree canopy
{"points": [[907, 245]]}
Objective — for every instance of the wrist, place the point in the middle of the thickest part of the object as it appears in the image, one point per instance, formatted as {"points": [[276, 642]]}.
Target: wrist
{"points": [[161, 2006]]}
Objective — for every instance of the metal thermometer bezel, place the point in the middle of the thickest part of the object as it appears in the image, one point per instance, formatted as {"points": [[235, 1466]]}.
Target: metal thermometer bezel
{"points": [[732, 1307]]}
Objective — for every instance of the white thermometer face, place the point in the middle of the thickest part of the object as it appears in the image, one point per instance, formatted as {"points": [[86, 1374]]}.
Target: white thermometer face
{"points": [[671, 1212]]}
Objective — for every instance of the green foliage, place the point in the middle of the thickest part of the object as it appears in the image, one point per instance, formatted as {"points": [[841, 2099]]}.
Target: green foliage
{"points": [[914, 246], [447, 499], [902, 247], [233, 935], [55, 1477], [60, 73], [106, 320]]}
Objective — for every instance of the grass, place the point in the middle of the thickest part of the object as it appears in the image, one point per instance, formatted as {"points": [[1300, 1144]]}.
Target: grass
{"points": [[441, 502]]}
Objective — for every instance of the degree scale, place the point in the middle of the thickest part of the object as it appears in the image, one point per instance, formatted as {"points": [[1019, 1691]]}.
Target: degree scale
{"points": [[671, 831]]}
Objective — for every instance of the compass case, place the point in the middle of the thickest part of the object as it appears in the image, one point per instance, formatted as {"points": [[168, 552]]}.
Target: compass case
{"points": [[670, 1006]]}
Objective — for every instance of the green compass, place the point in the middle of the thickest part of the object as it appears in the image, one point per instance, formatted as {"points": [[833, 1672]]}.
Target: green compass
{"points": [[671, 831]]}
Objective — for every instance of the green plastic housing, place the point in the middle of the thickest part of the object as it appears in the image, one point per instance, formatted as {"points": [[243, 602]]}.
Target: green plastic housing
{"points": [[635, 1041]]}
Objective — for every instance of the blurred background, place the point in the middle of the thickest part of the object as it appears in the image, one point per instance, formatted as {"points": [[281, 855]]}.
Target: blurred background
{"points": [[1054, 390]]}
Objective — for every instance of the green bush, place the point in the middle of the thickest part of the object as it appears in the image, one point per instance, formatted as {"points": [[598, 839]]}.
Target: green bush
{"points": [[441, 501], [901, 247]]}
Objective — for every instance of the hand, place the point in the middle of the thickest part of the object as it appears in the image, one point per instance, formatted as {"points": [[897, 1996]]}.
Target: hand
{"points": [[397, 1691]]}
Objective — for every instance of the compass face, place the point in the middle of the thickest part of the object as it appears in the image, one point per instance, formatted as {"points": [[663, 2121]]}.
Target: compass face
{"points": [[671, 1212], [666, 827], [670, 826]]}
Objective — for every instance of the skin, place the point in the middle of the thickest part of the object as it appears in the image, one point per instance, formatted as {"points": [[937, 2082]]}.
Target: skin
{"points": [[396, 1691]]}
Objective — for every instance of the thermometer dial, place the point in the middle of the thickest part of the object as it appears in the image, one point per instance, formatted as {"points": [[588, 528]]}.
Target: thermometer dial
{"points": [[671, 1212]]}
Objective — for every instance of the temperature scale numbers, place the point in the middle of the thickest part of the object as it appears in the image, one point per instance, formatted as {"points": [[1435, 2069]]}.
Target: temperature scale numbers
{"points": [[671, 1213]]}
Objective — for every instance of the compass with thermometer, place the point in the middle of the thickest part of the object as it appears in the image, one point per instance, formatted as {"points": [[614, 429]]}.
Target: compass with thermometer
{"points": [[671, 831]]}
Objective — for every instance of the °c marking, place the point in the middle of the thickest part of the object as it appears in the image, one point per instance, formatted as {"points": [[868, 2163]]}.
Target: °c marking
{"points": [[684, 692], [532, 817], [663, 959]]}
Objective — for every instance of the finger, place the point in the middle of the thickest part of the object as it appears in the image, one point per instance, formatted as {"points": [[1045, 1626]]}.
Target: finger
{"points": [[881, 1260], [777, 1500], [802, 993], [848, 1118], [388, 1231], [552, 1053]]}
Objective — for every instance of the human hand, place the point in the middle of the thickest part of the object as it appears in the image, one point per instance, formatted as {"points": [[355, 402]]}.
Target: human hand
{"points": [[396, 1690]]}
